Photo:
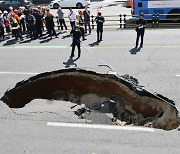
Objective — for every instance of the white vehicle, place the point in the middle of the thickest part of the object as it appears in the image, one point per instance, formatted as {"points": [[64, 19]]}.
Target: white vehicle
{"points": [[69, 3]]}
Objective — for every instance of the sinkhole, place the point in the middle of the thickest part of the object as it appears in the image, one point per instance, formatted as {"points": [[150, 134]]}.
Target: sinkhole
{"points": [[122, 96]]}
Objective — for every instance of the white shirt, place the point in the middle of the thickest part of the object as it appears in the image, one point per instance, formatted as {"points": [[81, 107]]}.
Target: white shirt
{"points": [[72, 16]]}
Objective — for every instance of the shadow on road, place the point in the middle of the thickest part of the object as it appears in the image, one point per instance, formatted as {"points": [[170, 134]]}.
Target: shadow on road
{"points": [[94, 44], [25, 41], [66, 36], [70, 62], [133, 51], [46, 40], [10, 42]]}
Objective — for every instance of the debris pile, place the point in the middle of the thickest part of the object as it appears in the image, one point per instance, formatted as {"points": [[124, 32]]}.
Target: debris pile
{"points": [[122, 96]]}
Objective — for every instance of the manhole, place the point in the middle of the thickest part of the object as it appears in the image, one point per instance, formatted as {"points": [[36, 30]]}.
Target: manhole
{"points": [[122, 96]]}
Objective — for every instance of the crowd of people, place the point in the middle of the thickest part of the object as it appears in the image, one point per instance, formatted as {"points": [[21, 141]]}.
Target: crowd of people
{"points": [[33, 22]]}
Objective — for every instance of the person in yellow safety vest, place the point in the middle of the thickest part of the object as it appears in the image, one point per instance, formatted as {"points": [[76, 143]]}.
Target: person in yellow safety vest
{"points": [[15, 27], [80, 23]]}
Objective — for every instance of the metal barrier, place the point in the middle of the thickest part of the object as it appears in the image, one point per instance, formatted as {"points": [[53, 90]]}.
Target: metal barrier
{"points": [[123, 21]]}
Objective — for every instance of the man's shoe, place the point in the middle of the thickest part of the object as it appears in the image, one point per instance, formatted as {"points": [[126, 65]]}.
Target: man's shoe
{"points": [[71, 56], [141, 46]]}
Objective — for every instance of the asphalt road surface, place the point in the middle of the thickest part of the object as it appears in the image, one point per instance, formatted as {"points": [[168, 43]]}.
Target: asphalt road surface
{"points": [[31, 129], [25, 130]]}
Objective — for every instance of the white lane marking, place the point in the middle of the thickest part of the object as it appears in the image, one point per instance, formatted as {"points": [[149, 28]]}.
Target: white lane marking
{"points": [[178, 75], [18, 73], [95, 126]]}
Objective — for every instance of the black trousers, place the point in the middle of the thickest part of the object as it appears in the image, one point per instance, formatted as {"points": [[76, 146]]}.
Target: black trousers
{"points": [[74, 44], [82, 32], [2, 32], [62, 22], [17, 33], [72, 24], [51, 31], [140, 33], [32, 31], [99, 34], [38, 30], [87, 23]]}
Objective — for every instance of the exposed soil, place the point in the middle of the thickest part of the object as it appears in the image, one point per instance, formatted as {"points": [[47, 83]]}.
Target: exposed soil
{"points": [[107, 93]]}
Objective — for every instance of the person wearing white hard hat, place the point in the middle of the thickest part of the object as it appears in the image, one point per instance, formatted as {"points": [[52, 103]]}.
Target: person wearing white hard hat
{"points": [[6, 23], [10, 11]]}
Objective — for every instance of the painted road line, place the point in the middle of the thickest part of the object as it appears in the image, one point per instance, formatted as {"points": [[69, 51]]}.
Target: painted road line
{"points": [[178, 75], [19, 73], [95, 126]]}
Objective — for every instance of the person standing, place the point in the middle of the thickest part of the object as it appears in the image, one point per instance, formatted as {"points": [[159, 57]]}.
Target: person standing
{"points": [[61, 18], [72, 18], [22, 20], [86, 14], [39, 22], [80, 23], [7, 23], [50, 24], [1, 26], [15, 27], [31, 22], [99, 21], [140, 29], [76, 34]]}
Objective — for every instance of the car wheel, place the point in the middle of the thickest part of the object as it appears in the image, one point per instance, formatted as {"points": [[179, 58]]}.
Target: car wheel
{"points": [[79, 5], [55, 6]]}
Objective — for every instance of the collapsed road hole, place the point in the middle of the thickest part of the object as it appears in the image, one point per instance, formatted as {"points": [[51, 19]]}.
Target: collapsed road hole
{"points": [[122, 96]]}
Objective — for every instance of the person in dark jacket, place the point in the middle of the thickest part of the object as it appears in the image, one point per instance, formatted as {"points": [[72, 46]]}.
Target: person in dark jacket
{"points": [[86, 14], [39, 22], [99, 20], [140, 29], [31, 21], [50, 24], [76, 34]]}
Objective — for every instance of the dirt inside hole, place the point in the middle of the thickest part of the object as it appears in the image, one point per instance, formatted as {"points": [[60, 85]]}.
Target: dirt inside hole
{"points": [[129, 103]]}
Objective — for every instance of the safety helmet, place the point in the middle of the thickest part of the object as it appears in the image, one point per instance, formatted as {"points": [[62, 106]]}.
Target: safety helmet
{"points": [[5, 12], [10, 8]]}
